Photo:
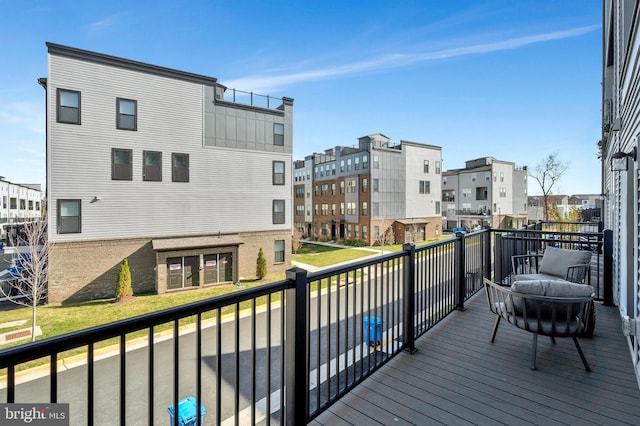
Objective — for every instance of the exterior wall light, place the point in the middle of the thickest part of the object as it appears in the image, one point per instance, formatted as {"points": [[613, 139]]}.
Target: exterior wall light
{"points": [[620, 160]]}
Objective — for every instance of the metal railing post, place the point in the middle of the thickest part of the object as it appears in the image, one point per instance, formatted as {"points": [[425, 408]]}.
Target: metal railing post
{"points": [[486, 270], [607, 268], [409, 310], [296, 349], [497, 258], [461, 273]]}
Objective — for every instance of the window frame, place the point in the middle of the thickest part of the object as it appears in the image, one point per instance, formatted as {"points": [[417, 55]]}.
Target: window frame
{"points": [[59, 106], [175, 169], [279, 217], [114, 171], [119, 115], [278, 255], [278, 134], [275, 175], [59, 218], [147, 170]]}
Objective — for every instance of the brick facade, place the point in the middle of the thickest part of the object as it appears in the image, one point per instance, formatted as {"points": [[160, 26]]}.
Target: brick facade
{"points": [[88, 270]]}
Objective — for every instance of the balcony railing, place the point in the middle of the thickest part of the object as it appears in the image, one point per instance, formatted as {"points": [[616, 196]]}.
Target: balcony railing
{"points": [[315, 335], [253, 99]]}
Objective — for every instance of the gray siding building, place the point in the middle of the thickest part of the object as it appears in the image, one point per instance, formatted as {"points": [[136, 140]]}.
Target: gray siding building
{"points": [[486, 192], [156, 165]]}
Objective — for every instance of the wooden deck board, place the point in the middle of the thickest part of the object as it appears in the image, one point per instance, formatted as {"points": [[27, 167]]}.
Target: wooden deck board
{"points": [[459, 377]]}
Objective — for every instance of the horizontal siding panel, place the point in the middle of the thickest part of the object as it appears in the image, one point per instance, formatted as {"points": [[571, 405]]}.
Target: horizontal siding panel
{"points": [[229, 190]]}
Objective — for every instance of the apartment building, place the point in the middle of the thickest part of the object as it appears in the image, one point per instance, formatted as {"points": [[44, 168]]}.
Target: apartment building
{"points": [[485, 192], [164, 167], [19, 203], [369, 192], [562, 205]]}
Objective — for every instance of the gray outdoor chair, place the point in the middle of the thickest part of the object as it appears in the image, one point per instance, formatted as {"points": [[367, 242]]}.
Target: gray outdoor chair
{"points": [[542, 307]]}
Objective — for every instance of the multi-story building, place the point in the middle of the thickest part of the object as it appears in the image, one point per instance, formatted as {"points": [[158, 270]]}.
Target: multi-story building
{"points": [[485, 192], [562, 205], [19, 202], [157, 165], [364, 192]]}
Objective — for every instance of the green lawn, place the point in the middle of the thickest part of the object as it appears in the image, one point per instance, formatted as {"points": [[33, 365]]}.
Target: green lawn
{"points": [[56, 319]]}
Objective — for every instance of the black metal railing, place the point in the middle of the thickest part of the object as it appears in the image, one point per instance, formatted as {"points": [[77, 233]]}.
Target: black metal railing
{"points": [[253, 99], [314, 335]]}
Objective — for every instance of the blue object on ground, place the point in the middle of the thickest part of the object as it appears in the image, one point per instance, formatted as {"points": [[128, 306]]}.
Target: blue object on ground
{"points": [[186, 412], [372, 330]]}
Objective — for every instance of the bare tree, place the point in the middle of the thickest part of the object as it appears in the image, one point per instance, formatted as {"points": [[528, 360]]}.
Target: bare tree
{"points": [[547, 173], [29, 272], [296, 240]]}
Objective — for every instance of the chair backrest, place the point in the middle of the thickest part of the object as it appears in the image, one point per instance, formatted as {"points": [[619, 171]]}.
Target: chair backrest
{"points": [[556, 261]]}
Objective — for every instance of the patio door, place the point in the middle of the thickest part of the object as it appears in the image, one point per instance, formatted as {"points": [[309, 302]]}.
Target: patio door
{"points": [[218, 267], [183, 272]]}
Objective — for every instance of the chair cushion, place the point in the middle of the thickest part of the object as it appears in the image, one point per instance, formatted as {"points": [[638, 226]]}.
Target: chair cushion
{"points": [[552, 288], [534, 277], [556, 261]]}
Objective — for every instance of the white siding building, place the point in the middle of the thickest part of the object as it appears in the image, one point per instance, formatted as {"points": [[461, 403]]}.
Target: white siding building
{"points": [[155, 165], [19, 203]]}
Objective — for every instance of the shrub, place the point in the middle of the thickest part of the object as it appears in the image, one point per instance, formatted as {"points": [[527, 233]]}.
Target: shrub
{"points": [[124, 290], [261, 265]]}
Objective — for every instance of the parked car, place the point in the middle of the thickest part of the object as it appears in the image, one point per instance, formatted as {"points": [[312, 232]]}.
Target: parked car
{"points": [[461, 230]]}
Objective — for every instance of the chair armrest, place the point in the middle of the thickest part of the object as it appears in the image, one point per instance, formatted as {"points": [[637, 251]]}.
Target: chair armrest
{"points": [[577, 273], [525, 263]]}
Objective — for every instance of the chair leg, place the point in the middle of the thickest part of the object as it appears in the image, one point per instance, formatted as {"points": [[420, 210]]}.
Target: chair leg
{"points": [[495, 328], [534, 347], [553, 340], [584, 360]]}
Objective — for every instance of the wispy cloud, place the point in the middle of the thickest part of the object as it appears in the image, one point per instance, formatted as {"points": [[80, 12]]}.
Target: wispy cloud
{"points": [[104, 24], [271, 83]]}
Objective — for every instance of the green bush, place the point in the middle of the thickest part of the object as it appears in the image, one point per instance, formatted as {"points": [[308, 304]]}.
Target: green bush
{"points": [[124, 290], [261, 265]]}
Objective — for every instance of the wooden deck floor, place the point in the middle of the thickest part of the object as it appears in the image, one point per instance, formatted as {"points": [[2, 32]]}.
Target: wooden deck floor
{"points": [[459, 377]]}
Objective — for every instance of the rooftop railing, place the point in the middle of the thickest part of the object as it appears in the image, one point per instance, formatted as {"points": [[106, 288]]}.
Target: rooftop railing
{"points": [[253, 99], [279, 353]]}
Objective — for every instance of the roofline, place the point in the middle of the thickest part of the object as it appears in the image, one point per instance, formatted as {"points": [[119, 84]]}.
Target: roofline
{"points": [[86, 55]]}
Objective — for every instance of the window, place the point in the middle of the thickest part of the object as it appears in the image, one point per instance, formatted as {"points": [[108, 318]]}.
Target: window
{"points": [[68, 106], [376, 162], [4, 201], [503, 192], [364, 232], [356, 163], [375, 209], [23, 205], [364, 184], [333, 209], [426, 166], [179, 167], [376, 185], [152, 166], [342, 165], [365, 208], [425, 187], [126, 114], [37, 205], [278, 172], [278, 251], [278, 134], [365, 161], [299, 210], [351, 208], [278, 211], [349, 167], [325, 209], [69, 217], [315, 210], [342, 209], [325, 189], [333, 189], [300, 192], [30, 205], [438, 167], [121, 164], [315, 190], [342, 187], [501, 177], [437, 207], [333, 168], [481, 193], [351, 186]]}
